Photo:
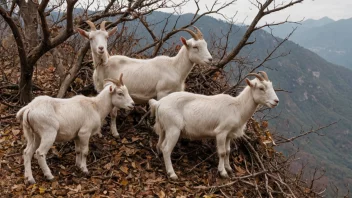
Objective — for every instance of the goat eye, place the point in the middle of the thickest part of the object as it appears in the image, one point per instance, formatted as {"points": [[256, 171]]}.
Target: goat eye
{"points": [[120, 94], [195, 47], [262, 89]]}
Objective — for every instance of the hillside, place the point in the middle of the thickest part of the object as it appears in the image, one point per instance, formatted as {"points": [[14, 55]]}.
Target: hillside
{"points": [[130, 166], [329, 39], [320, 94]]}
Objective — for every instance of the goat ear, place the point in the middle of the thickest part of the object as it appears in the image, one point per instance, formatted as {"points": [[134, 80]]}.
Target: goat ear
{"points": [[112, 31], [249, 83], [184, 41], [83, 33], [111, 89]]}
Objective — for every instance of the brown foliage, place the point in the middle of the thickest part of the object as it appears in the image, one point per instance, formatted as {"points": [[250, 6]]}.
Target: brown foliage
{"points": [[130, 166]]}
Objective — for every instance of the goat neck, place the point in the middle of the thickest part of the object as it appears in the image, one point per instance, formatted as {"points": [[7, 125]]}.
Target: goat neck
{"points": [[182, 63], [246, 104], [103, 102], [100, 59]]}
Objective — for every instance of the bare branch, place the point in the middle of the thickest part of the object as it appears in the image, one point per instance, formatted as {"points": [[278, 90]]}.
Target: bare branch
{"points": [[308, 132], [73, 71], [45, 28], [17, 35], [282, 7]]}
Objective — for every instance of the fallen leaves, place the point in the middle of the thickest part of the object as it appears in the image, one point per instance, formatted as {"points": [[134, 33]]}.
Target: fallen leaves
{"points": [[15, 131], [161, 194], [121, 168], [124, 182], [239, 171], [18, 187], [124, 169], [152, 181], [108, 166], [42, 190]]}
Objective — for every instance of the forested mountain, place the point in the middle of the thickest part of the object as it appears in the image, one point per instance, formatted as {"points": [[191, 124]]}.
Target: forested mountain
{"points": [[329, 39], [320, 93]]}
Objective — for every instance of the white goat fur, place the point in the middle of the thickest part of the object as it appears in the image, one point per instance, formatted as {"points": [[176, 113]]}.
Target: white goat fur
{"points": [[47, 120], [197, 116], [145, 78]]}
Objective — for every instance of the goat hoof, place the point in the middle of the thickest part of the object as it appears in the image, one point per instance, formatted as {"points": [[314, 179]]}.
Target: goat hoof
{"points": [[224, 175], [173, 177], [116, 136], [229, 170], [49, 177], [85, 171], [30, 181]]}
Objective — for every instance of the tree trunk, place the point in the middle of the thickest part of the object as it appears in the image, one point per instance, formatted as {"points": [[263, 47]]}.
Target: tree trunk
{"points": [[29, 14], [26, 83]]}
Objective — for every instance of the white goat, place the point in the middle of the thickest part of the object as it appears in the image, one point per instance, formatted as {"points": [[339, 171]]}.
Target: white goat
{"points": [[199, 117], [147, 78], [47, 120]]}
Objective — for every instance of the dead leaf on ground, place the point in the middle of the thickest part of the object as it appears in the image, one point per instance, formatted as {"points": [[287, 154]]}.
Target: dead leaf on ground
{"points": [[124, 169], [239, 171], [16, 131]]}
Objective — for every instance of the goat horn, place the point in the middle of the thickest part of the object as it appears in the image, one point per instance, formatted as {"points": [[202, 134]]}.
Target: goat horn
{"points": [[198, 33], [194, 35], [116, 82], [263, 73], [102, 25], [91, 25], [256, 75], [121, 75]]}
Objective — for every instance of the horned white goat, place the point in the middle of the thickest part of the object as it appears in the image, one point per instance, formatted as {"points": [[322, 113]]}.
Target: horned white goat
{"points": [[47, 120], [148, 78], [199, 117]]}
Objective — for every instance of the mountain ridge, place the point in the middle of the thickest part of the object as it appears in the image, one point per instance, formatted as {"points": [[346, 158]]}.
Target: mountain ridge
{"points": [[329, 39]]}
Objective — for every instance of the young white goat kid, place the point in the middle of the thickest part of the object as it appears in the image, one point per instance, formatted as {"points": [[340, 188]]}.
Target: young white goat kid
{"points": [[220, 116], [47, 120], [147, 78]]}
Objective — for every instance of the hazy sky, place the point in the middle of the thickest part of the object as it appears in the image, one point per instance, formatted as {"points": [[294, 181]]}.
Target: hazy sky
{"points": [[314, 9]]}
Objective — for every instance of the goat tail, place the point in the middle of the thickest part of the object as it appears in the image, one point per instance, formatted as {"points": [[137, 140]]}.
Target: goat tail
{"points": [[23, 118], [154, 104], [19, 115], [160, 131]]}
